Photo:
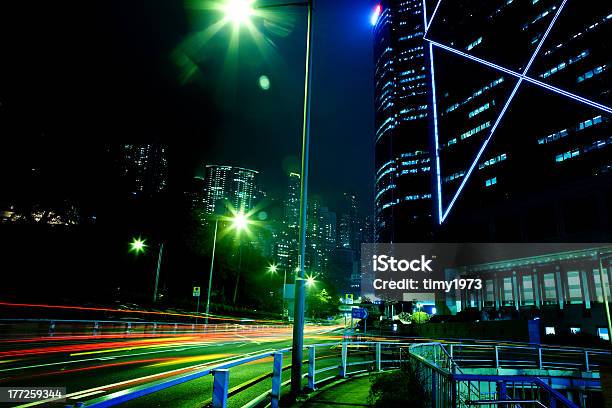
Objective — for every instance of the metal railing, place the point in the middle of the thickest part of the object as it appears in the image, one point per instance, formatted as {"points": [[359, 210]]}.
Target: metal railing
{"points": [[527, 357], [58, 327], [438, 370]]}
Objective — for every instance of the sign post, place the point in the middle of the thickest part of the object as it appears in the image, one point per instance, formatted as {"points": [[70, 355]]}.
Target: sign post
{"points": [[196, 293], [360, 313]]}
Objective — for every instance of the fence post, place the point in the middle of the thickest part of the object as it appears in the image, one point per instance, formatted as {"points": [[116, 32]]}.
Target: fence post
{"points": [[220, 388], [451, 350], [311, 367], [434, 388], [501, 390], [378, 357], [344, 358], [96, 328], [540, 358], [496, 356], [51, 328], [128, 327], [277, 374], [586, 361]]}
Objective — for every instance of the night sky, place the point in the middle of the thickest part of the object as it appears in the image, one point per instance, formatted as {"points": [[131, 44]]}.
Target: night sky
{"points": [[78, 75]]}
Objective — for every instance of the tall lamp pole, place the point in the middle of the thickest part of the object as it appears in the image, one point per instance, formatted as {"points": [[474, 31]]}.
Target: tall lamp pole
{"points": [[159, 259], [212, 263], [298, 318], [300, 299]]}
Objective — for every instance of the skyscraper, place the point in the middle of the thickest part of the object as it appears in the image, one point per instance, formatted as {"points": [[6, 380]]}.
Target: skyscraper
{"points": [[523, 157], [292, 205], [515, 120], [144, 167], [403, 168], [235, 185]]}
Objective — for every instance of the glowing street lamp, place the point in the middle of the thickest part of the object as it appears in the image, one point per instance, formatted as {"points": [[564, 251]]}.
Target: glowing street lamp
{"points": [[137, 245], [310, 281], [238, 11], [240, 222], [272, 268]]}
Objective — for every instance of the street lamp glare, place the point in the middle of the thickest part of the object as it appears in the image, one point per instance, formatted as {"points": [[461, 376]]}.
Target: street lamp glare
{"points": [[240, 221], [137, 245], [310, 280], [238, 11], [272, 268]]}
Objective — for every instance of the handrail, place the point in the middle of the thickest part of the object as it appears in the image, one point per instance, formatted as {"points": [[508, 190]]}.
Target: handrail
{"points": [[221, 370]]}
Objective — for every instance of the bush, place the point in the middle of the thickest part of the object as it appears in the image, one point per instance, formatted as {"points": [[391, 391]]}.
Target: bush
{"points": [[401, 388]]}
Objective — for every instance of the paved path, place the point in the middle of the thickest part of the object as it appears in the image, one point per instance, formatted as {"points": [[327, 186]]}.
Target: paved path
{"points": [[351, 393]]}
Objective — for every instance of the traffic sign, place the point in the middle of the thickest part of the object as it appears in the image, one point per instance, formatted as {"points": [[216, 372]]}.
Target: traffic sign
{"points": [[359, 313], [196, 291], [349, 298]]}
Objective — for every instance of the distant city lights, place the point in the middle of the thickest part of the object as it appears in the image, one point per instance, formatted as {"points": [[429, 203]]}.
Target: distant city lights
{"points": [[376, 14]]}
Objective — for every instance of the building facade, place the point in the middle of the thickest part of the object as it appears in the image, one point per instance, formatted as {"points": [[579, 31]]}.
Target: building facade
{"points": [[562, 289], [403, 168], [234, 185], [518, 135], [144, 167]]}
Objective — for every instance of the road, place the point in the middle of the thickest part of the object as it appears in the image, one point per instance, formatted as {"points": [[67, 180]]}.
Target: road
{"points": [[90, 366]]}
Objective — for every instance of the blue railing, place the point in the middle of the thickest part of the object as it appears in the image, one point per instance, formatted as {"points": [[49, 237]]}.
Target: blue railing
{"points": [[441, 373]]}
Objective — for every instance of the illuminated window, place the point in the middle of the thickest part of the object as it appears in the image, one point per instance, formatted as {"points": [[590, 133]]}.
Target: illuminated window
{"points": [[508, 293], [528, 290], [574, 287], [489, 293], [490, 182], [475, 130], [575, 330], [549, 330], [550, 289], [597, 280], [473, 44], [603, 333], [591, 73]]}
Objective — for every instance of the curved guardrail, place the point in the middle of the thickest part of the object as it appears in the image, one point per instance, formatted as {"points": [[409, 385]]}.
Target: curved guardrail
{"points": [[441, 368]]}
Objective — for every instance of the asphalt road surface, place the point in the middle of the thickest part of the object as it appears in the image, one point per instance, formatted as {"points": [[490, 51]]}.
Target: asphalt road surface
{"points": [[91, 366]]}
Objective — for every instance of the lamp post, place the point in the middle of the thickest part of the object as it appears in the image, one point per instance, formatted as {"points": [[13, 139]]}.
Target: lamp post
{"points": [[239, 11], [212, 263], [605, 292], [138, 245], [239, 222], [274, 269]]}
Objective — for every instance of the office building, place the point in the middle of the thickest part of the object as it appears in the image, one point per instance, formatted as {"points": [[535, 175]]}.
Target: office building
{"points": [[233, 185], [402, 115], [144, 167], [516, 125]]}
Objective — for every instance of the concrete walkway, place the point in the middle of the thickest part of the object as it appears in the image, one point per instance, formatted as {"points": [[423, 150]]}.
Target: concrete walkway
{"points": [[349, 393]]}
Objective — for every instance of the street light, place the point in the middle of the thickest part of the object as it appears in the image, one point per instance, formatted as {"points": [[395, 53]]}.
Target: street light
{"points": [[237, 12], [138, 245], [239, 222], [274, 269], [310, 281]]}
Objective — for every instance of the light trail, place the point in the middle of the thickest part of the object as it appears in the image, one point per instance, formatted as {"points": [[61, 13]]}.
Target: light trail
{"points": [[146, 312]]}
